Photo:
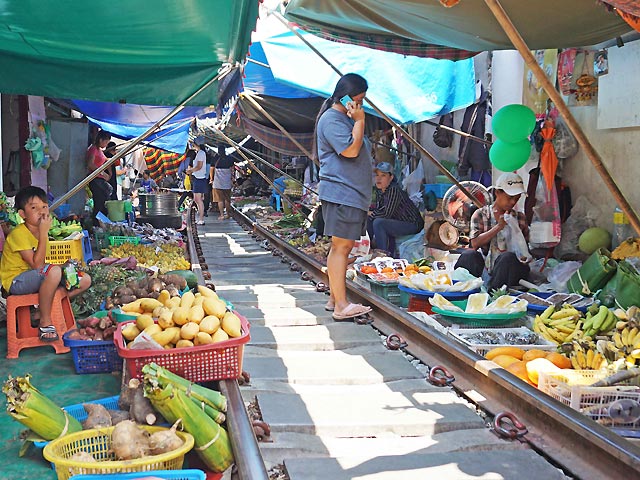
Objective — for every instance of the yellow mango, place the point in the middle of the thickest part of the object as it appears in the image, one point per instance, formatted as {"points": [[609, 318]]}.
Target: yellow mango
{"points": [[198, 300], [132, 306], [202, 338], [156, 312], [187, 299], [169, 346], [165, 318], [173, 302], [176, 334], [184, 343], [153, 329], [214, 306], [130, 331], [196, 314], [209, 324], [180, 315], [231, 324], [143, 321], [189, 330], [163, 338], [149, 304], [219, 336], [207, 292], [164, 297]]}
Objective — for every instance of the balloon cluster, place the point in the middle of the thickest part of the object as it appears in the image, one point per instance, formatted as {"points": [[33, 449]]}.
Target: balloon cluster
{"points": [[512, 124]]}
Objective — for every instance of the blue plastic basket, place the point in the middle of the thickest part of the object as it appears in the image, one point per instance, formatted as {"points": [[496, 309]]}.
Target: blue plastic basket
{"points": [[93, 356], [63, 210], [190, 474], [86, 247], [78, 412]]}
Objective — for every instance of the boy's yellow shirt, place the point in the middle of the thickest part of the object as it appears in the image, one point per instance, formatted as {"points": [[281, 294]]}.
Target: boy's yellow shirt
{"points": [[12, 264]]}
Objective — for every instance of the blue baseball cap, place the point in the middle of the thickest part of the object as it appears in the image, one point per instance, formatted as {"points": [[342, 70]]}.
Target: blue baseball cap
{"points": [[384, 167]]}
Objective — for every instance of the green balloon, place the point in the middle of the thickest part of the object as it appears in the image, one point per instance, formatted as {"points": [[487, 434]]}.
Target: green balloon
{"points": [[513, 123], [509, 156]]}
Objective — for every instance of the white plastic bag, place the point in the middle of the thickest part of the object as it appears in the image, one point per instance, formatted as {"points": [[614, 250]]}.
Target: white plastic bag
{"points": [[516, 242], [413, 184], [361, 247]]}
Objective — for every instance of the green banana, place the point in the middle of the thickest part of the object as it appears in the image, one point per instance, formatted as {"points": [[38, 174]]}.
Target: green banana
{"points": [[609, 323], [599, 318]]}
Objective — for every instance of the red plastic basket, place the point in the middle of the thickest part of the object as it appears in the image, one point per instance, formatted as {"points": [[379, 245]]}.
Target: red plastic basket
{"points": [[419, 304], [204, 363]]}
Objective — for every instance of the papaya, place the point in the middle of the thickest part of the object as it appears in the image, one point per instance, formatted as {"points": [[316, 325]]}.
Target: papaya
{"points": [[511, 351], [533, 354], [188, 275], [504, 360], [559, 360]]}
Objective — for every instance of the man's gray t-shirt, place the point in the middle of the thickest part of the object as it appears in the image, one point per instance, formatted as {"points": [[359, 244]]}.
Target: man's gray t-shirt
{"points": [[345, 181]]}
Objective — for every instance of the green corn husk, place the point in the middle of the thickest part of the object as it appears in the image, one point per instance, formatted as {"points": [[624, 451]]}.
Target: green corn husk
{"points": [[27, 405], [154, 373], [211, 440]]}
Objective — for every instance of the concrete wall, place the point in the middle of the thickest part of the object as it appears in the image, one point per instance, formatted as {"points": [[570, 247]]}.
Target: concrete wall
{"points": [[9, 134]]}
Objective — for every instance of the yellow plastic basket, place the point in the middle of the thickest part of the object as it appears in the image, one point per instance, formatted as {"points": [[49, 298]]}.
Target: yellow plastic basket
{"points": [[97, 442], [59, 251]]}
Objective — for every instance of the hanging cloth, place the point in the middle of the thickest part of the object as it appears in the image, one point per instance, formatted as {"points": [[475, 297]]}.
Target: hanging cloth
{"points": [[548, 158]]}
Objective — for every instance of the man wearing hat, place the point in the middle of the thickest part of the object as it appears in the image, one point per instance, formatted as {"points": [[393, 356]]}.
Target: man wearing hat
{"points": [[394, 214], [488, 236]]}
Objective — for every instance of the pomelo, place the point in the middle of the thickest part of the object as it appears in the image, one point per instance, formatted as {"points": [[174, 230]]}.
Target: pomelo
{"points": [[594, 238]]}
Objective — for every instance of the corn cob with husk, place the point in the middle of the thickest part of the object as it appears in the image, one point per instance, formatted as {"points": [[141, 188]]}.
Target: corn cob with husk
{"points": [[27, 405], [211, 440]]}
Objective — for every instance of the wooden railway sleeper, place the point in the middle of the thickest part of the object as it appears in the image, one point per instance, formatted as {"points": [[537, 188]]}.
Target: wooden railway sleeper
{"points": [[512, 429], [440, 376]]}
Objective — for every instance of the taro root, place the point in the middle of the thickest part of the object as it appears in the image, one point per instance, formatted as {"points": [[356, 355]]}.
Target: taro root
{"points": [[129, 441], [98, 416], [165, 441]]}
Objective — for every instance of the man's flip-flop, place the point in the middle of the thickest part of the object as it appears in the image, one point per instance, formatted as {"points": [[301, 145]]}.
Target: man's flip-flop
{"points": [[48, 334], [352, 311]]}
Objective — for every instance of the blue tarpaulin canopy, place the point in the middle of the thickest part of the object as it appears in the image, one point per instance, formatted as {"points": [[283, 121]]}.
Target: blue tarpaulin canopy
{"points": [[128, 121], [408, 89]]}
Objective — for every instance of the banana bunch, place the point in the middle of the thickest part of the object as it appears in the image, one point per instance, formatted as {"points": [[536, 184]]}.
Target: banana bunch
{"points": [[585, 356], [598, 321], [625, 344], [627, 318], [559, 326]]}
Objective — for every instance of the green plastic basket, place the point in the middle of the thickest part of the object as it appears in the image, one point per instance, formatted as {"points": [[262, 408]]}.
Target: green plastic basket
{"points": [[478, 319], [390, 292], [119, 240]]}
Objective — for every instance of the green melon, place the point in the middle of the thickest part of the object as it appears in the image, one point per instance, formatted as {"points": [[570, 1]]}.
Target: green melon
{"points": [[594, 238]]}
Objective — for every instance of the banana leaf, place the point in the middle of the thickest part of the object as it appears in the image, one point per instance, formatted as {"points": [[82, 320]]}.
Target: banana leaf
{"points": [[594, 273], [623, 290]]}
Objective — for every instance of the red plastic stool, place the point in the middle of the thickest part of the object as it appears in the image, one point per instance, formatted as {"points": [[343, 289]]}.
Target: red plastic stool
{"points": [[20, 333]]}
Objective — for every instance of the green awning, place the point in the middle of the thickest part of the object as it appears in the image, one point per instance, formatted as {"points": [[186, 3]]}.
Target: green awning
{"points": [[135, 51], [469, 25]]}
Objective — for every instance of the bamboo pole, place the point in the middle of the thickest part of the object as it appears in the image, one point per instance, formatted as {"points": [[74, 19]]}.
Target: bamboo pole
{"points": [[392, 122], [280, 127], [221, 73], [574, 126], [252, 165]]}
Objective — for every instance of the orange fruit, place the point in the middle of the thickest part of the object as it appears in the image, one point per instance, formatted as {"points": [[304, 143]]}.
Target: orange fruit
{"points": [[533, 354], [519, 369], [559, 360], [504, 360]]}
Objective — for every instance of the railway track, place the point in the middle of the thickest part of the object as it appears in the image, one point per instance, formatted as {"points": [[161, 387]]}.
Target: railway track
{"points": [[341, 405]]}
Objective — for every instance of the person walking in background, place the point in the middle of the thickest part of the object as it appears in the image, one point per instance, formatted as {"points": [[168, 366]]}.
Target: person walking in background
{"points": [[200, 181], [118, 172], [394, 214], [345, 183], [221, 173], [99, 186]]}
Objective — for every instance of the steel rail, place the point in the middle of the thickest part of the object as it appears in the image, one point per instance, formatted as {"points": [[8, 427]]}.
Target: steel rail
{"points": [[246, 452], [569, 439]]}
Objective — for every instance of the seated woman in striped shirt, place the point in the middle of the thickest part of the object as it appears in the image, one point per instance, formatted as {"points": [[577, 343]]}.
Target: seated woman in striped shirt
{"points": [[394, 215]]}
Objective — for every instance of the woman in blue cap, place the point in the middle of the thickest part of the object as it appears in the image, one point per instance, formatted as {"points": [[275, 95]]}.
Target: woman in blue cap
{"points": [[394, 215]]}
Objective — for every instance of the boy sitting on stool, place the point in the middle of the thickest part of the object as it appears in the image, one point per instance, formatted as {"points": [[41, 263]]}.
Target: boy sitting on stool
{"points": [[23, 269]]}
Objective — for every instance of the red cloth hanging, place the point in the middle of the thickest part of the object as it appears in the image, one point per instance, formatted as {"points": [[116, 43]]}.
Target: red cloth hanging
{"points": [[548, 158]]}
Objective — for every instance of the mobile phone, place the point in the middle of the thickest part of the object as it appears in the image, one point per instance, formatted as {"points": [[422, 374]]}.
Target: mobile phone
{"points": [[344, 100]]}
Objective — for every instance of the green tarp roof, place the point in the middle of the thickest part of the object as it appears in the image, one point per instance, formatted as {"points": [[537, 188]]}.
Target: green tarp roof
{"points": [[469, 25], [135, 51]]}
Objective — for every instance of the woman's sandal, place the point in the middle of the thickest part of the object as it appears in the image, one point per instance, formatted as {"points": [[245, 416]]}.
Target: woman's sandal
{"points": [[48, 334], [350, 313]]}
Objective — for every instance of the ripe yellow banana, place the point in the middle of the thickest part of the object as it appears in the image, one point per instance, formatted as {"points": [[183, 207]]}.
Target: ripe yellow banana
{"points": [[632, 335], [574, 362], [590, 354], [617, 339], [624, 336], [564, 312], [548, 312]]}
